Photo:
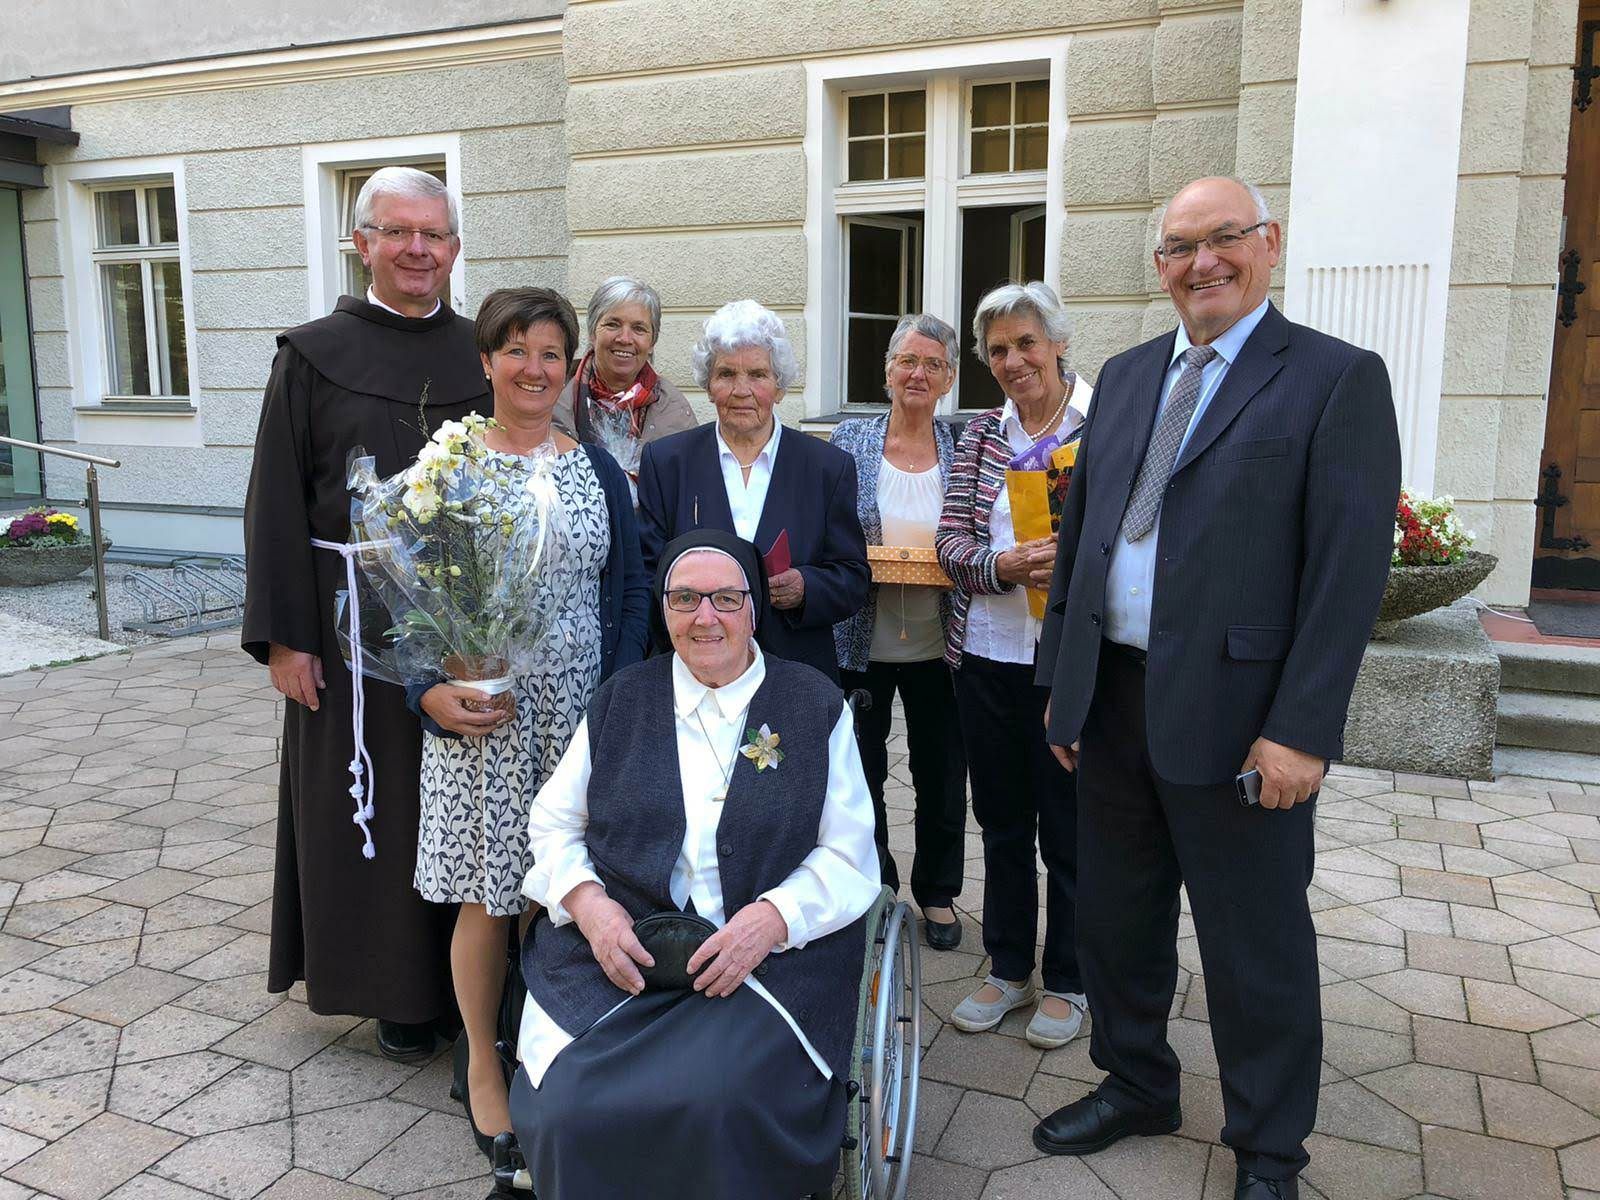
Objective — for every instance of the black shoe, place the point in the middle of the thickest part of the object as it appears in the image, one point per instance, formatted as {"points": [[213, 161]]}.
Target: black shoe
{"points": [[941, 935], [510, 1171], [405, 1042], [1249, 1186], [1091, 1124]]}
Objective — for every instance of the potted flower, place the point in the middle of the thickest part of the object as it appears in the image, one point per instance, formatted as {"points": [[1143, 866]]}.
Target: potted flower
{"points": [[1433, 564], [43, 546]]}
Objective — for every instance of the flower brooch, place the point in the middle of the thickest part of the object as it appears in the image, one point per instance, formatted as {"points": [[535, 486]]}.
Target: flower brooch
{"points": [[762, 748]]}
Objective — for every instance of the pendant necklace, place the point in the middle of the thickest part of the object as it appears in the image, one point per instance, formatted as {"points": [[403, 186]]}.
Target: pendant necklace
{"points": [[733, 759]]}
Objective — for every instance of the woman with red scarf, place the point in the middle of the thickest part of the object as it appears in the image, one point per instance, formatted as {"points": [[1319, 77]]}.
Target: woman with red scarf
{"points": [[615, 399]]}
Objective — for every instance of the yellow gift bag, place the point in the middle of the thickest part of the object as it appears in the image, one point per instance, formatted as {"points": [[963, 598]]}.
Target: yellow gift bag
{"points": [[1037, 492]]}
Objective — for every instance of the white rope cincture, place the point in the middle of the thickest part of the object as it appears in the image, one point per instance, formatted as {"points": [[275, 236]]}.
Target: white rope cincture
{"points": [[360, 761]]}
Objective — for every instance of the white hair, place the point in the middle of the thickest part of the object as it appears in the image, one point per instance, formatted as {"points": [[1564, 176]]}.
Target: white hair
{"points": [[1263, 214], [929, 326], [745, 325], [407, 183], [623, 289], [1034, 300]]}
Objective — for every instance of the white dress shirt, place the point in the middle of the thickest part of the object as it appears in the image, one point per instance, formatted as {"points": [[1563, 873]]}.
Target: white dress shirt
{"points": [[372, 298], [748, 497], [834, 884], [1131, 574], [1001, 627]]}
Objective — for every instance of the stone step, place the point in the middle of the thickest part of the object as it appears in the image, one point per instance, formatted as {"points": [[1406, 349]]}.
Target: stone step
{"points": [[1545, 668], [1548, 720], [1529, 763]]}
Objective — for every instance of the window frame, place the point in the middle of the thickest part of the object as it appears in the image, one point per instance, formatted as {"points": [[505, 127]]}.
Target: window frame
{"points": [[142, 254], [946, 73], [885, 137], [324, 166], [973, 81], [88, 339]]}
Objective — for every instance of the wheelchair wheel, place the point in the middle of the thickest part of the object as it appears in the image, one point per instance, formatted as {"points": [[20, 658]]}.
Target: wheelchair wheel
{"points": [[891, 1058]]}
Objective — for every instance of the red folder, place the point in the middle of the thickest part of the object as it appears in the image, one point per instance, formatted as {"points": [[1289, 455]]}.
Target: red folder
{"points": [[776, 560]]}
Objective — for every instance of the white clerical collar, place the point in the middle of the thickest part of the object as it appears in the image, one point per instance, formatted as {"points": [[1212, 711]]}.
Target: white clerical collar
{"points": [[769, 451], [731, 699], [372, 298]]}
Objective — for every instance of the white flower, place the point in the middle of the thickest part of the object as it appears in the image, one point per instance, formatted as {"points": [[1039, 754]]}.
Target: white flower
{"points": [[421, 500]]}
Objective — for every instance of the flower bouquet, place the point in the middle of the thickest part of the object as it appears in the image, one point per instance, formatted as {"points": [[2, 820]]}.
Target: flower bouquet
{"points": [[614, 432], [457, 568]]}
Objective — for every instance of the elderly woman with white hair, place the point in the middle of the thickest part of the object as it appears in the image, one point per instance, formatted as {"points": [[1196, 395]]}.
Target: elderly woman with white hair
{"points": [[616, 399], [1021, 796], [896, 642], [794, 496], [705, 860]]}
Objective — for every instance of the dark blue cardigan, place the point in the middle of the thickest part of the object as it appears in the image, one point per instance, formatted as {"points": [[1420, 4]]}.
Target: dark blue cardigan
{"points": [[624, 587]]}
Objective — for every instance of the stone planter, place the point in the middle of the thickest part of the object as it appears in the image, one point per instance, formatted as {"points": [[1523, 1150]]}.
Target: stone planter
{"points": [[32, 566], [1412, 591]]}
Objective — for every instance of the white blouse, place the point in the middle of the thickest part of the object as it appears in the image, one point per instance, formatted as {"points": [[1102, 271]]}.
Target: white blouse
{"points": [[835, 884], [907, 626], [747, 497]]}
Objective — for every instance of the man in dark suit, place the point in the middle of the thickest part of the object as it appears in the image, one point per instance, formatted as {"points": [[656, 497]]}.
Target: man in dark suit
{"points": [[1222, 555], [747, 474]]}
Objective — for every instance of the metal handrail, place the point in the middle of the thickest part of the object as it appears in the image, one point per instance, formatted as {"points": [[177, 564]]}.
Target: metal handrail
{"points": [[92, 479]]}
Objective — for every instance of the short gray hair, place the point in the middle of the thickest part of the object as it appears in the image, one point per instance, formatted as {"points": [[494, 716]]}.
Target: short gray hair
{"points": [[744, 325], [1263, 214], [407, 182], [1034, 300], [623, 289], [929, 326]]}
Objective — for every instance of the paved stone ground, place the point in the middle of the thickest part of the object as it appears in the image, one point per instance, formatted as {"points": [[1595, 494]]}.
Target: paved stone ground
{"points": [[141, 1058]]}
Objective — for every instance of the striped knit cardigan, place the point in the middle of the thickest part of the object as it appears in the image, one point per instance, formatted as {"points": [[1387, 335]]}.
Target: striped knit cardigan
{"points": [[976, 477]]}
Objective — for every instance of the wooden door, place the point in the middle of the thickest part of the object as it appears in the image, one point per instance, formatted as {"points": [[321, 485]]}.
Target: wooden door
{"points": [[1567, 540]]}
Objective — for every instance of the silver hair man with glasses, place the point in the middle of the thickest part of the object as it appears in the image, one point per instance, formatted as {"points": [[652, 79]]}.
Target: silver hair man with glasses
{"points": [[377, 373], [1221, 557]]}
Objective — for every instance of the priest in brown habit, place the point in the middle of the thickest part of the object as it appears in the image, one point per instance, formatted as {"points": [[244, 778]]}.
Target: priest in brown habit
{"points": [[350, 925]]}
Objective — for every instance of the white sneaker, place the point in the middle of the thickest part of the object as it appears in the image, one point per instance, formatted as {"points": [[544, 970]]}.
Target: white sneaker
{"points": [[1049, 1032], [974, 1016]]}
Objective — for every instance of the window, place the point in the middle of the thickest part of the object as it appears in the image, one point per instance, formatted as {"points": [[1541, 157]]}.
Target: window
{"points": [[1009, 126], [354, 277], [931, 180], [886, 138], [140, 282]]}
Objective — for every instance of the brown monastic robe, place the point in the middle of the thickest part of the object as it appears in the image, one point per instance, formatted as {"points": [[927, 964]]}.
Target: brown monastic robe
{"points": [[353, 928]]}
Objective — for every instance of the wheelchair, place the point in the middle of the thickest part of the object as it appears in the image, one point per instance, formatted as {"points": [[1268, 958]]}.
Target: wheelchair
{"points": [[881, 1117]]}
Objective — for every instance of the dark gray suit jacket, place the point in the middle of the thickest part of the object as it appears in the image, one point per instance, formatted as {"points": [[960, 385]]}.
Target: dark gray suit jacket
{"points": [[1275, 538]]}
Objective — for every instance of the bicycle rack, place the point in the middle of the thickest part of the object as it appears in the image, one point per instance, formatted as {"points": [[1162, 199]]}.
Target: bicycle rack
{"points": [[200, 594]]}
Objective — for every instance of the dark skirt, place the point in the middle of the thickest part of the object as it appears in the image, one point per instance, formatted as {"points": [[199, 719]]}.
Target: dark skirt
{"points": [[678, 1096]]}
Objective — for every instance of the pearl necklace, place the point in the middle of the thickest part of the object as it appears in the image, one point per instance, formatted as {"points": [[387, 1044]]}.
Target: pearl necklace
{"points": [[1055, 417]]}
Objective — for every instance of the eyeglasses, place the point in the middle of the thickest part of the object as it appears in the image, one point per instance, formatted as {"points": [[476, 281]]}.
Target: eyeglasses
{"points": [[910, 362], [1219, 242], [401, 235], [724, 600]]}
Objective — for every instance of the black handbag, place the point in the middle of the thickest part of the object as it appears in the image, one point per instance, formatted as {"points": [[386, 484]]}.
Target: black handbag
{"points": [[671, 938]]}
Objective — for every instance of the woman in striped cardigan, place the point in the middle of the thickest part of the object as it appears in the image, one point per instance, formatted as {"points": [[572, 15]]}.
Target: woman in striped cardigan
{"points": [[1021, 797]]}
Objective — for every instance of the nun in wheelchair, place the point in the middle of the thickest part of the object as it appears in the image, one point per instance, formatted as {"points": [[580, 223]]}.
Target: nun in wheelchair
{"points": [[704, 854]]}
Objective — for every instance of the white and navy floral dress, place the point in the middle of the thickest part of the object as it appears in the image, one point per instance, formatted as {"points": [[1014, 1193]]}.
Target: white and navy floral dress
{"points": [[472, 846]]}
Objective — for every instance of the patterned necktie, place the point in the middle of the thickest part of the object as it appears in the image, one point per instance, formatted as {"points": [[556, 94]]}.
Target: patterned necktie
{"points": [[1140, 516]]}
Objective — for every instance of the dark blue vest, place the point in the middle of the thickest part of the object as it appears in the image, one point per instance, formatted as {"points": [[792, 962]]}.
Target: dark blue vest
{"points": [[769, 824]]}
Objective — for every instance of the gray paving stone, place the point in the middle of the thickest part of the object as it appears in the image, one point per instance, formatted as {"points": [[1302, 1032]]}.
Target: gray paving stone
{"points": [[82, 1046], [146, 1091], [153, 1187], [1497, 1052], [90, 963], [990, 1062], [169, 1031], [1348, 1170], [339, 1076], [54, 1107], [242, 998], [16, 1146], [1430, 1095], [102, 923], [18, 1031], [337, 1141], [1457, 956], [236, 1164], [1347, 1109], [1154, 1168], [436, 1150], [25, 989], [127, 995], [1528, 1113], [286, 1036], [1469, 1166], [1046, 1179], [93, 1159], [988, 1132], [245, 1095], [305, 1185]]}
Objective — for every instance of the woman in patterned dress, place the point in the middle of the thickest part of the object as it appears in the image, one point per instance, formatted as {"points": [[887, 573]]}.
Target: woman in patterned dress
{"points": [[480, 770]]}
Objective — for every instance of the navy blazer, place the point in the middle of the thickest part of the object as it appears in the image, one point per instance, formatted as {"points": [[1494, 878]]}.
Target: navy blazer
{"points": [[624, 587], [1275, 539], [812, 495]]}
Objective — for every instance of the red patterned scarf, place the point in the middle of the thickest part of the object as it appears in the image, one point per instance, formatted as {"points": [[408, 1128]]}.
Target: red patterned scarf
{"points": [[633, 401]]}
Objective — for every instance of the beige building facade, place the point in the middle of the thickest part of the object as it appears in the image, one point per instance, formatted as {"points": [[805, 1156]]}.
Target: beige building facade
{"points": [[843, 163]]}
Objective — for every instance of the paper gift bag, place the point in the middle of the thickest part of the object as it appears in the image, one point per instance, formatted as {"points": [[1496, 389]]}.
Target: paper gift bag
{"points": [[1036, 482]]}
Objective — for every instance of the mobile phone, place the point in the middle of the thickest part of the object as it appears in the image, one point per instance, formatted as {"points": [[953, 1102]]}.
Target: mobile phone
{"points": [[1249, 785]]}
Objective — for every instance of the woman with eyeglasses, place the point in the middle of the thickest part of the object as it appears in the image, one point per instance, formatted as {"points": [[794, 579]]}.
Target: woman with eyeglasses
{"points": [[1022, 798], [897, 641]]}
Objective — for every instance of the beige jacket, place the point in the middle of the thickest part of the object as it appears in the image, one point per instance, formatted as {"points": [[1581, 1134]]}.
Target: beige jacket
{"points": [[669, 414]]}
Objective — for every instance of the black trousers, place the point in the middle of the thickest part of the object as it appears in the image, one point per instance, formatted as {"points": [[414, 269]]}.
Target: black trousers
{"points": [[1246, 870], [1021, 797], [938, 771]]}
